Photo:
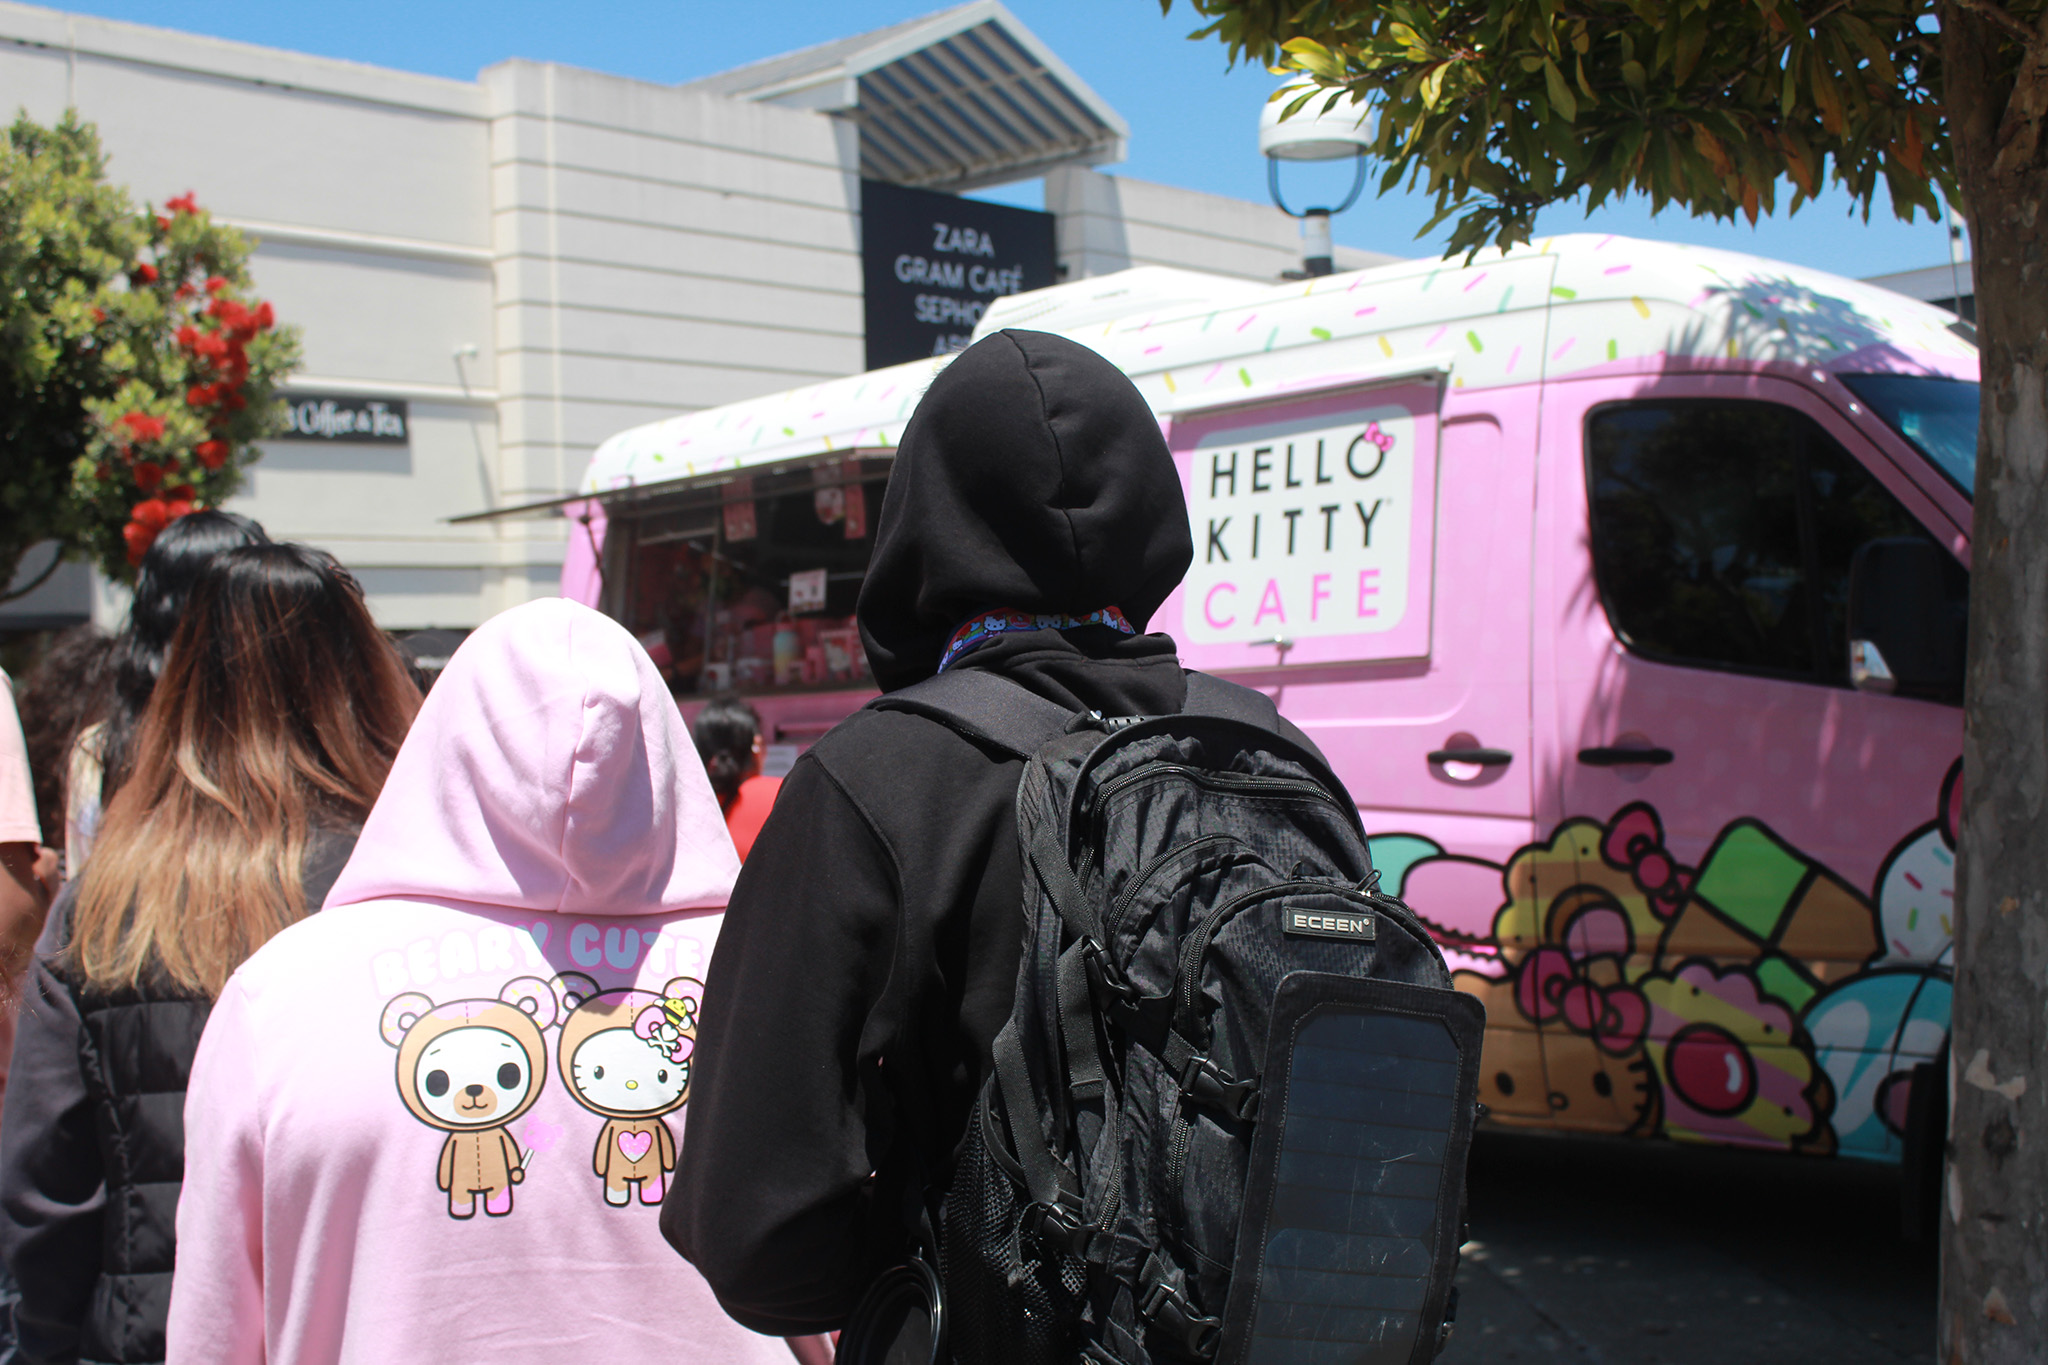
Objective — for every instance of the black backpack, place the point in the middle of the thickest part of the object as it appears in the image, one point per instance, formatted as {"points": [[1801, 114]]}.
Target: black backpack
{"points": [[1232, 1104]]}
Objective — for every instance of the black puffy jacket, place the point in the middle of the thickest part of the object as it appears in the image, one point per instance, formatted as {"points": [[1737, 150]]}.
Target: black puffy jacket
{"points": [[92, 1151]]}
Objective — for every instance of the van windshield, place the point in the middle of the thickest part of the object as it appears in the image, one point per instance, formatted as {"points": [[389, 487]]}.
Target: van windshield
{"points": [[1938, 417]]}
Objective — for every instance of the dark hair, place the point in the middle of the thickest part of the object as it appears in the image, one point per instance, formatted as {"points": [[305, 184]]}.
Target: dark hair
{"points": [[725, 733], [55, 701], [279, 712], [173, 564]]}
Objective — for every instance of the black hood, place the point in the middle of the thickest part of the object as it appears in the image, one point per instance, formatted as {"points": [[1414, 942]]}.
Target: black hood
{"points": [[1031, 476]]}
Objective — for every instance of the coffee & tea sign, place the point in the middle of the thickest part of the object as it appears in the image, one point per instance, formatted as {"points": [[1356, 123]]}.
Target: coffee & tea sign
{"points": [[328, 417], [1305, 527]]}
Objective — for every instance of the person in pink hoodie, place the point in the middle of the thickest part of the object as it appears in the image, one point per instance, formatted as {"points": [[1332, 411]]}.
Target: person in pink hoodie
{"points": [[435, 1122]]}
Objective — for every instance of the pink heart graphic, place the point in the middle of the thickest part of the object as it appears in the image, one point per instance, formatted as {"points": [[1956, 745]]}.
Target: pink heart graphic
{"points": [[635, 1145]]}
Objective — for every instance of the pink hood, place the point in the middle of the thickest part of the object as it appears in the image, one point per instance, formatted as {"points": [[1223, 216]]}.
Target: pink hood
{"points": [[437, 1120], [548, 770]]}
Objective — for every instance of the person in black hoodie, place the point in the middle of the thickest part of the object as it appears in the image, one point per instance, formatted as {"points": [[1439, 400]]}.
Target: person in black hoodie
{"points": [[1033, 524]]}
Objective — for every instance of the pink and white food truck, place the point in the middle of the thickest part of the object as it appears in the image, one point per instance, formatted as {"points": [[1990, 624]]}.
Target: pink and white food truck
{"points": [[1622, 583]]}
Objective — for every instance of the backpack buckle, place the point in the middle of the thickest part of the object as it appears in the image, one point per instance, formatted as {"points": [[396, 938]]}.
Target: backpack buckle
{"points": [[1202, 1081], [1109, 988], [1168, 1309], [1053, 1225]]}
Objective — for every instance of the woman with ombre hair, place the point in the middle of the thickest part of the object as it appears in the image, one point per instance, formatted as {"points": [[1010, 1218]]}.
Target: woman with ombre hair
{"points": [[263, 746]]}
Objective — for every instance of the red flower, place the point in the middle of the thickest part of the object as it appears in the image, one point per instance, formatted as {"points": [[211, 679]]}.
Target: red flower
{"points": [[145, 272], [178, 507], [184, 492], [152, 513], [188, 335], [216, 283], [188, 202], [148, 474], [236, 402], [139, 538], [264, 317], [163, 224], [99, 315], [201, 395], [142, 427], [212, 454]]}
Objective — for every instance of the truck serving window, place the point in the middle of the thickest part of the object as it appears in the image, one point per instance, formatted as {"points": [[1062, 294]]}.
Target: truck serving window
{"points": [[1723, 530], [1938, 417], [750, 586]]}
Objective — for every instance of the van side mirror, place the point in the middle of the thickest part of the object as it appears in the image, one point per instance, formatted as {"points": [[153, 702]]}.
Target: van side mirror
{"points": [[1908, 619]]}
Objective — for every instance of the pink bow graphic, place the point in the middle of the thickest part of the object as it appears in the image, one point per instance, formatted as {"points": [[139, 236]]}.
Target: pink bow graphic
{"points": [[1635, 841], [1551, 985]]}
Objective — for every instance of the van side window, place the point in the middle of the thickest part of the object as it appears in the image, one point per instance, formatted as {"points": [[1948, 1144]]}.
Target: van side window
{"points": [[1723, 530], [1850, 508]]}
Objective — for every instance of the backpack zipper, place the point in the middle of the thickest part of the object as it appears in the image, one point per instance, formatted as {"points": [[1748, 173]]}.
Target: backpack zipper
{"points": [[1129, 895], [1197, 943], [1291, 788]]}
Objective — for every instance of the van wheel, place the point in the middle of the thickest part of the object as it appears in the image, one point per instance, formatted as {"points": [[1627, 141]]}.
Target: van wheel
{"points": [[1925, 1157]]}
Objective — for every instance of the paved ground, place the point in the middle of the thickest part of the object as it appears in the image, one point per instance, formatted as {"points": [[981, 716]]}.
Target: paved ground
{"points": [[1655, 1254]]}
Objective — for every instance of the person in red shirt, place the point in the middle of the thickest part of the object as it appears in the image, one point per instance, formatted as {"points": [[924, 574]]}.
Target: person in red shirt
{"points": [[728, 735]]}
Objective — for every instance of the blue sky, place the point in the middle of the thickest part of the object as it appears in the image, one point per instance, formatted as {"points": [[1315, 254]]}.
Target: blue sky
{"points": [[1193, 121]]}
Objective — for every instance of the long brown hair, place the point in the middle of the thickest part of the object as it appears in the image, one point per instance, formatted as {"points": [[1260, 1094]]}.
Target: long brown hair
{"points": [[279, 711]]}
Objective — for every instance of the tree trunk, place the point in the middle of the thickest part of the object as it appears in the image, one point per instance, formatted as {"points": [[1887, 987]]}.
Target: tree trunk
{"points": [[1994, 1290]]}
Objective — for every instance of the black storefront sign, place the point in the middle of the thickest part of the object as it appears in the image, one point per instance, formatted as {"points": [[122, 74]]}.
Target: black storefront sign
{"points": [[933, 262], [328, 417]]}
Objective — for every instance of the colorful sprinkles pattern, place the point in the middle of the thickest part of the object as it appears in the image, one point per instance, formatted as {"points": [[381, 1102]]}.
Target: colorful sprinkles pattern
{"points": [[1586, 304]]}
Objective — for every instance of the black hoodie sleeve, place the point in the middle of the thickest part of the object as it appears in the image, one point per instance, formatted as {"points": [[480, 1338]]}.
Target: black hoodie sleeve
{"points": [[52, 1185], [773, 1200]]}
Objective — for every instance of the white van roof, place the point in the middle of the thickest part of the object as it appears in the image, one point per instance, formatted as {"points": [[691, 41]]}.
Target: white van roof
{"points": [[1567, 305]]}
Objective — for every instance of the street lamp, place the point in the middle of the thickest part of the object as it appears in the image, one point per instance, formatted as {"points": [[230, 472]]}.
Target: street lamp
{"points": [[1314, 134]]}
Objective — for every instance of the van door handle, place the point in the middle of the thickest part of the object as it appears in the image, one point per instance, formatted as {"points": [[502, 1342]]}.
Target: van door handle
{"points": [[1485, 758], [1610, 757]]}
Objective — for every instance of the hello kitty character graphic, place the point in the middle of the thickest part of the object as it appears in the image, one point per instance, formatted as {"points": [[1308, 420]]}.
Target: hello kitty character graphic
{"points": [[625, 1055], [469, 1068]]}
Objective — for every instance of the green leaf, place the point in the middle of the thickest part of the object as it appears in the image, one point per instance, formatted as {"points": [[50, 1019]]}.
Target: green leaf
{"points": [[1433, 84], [1560, 93]]}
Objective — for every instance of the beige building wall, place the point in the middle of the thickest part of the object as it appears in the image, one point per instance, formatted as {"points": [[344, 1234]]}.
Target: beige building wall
{"points": [[1109, 223], [533, 261], [658, 250], [369, 193]]}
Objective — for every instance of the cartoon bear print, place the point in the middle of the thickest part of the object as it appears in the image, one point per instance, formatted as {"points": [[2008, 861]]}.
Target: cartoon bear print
{"points": [[469, 1068], [625, 1055]]}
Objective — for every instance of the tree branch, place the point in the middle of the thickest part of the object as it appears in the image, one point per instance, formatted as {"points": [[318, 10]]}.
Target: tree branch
{"points": [[1997, 14], [38, 581], [1781, 45]]}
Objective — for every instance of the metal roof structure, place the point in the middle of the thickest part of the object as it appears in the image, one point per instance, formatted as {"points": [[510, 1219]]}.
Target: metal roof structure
{"points": [[955, 100]]}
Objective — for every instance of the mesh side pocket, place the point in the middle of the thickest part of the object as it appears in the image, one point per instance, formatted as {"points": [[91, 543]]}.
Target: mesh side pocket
{"points": [[1004, 1304]]}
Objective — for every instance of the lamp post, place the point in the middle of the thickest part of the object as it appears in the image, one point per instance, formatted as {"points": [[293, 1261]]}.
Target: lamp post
{"points": [[1314, 134]]}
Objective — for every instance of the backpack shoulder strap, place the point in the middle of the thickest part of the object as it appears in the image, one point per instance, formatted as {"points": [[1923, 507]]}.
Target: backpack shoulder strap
{"points": [[982, 706], [1213, 697]]}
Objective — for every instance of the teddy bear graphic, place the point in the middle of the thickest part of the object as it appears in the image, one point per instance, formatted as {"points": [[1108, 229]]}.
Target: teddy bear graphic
{"points": [[625, 1056], [469, 1068]]}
